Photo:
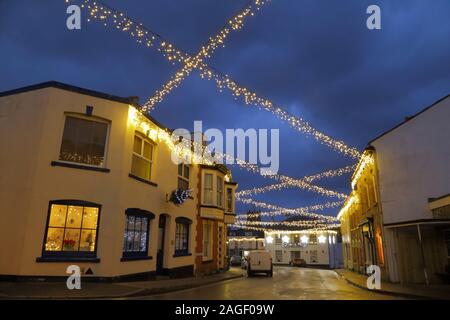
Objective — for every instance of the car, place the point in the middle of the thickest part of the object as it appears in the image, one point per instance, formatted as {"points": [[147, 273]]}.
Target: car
{"points": [[235, 260], [297, 262], [259, 261]]}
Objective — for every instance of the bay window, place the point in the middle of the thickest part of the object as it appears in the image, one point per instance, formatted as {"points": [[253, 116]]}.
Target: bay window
{"points": [[219, 189], [208, 189], [84, 140], [72, 229]]}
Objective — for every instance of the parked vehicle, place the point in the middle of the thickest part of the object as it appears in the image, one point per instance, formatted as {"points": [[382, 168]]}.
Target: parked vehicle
{"points": [[235, 260], [298, 262], [244, 263], [259, 261]]}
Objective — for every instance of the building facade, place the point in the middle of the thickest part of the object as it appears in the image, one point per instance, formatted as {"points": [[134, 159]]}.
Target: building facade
{"points": [[88, 180], [362, 220], [315, 248], [242, 241], [215, 212], [412, 175]]}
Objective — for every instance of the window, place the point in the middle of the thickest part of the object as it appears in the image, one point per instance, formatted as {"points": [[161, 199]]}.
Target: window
{"points": [[278, 240], [229, 200], [136, 235], [278, 255], [313, 238], [182, 236], [72, 228], [219, 182], [207, 240], [84, 141], [313, 256], [183, 176], [141, 165], [208, 189]]}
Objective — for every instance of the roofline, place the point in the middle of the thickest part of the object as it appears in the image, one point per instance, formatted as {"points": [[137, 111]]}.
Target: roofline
{"points": [[88, 92], [409, 119]]}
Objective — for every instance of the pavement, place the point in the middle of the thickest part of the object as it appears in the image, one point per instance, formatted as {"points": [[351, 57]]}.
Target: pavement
{"points": [[435, 292], [97, 290], [287, 283]]}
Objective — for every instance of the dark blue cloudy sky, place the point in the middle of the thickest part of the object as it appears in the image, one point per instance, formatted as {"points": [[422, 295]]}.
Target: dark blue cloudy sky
{"points": [[314, 57]]}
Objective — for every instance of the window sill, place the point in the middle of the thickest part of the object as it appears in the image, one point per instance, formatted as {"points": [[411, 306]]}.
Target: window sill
{"points": [[124, 259], [68, 259], [142, 180], [211, 206], [78, 166], [176, 255]]}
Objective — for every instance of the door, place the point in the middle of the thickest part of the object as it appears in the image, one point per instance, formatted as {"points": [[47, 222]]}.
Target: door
{"points": [[161, 236]]}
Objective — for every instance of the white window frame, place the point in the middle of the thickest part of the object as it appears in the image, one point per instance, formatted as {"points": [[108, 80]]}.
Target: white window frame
{"points": [[204, 188], [144, 139], [182, 177]]}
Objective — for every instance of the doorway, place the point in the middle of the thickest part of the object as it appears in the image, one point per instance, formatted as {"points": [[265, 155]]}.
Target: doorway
{"points": [[161, 237]]}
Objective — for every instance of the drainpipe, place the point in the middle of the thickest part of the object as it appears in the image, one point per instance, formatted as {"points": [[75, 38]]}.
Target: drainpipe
{"points": [[423, 255]]}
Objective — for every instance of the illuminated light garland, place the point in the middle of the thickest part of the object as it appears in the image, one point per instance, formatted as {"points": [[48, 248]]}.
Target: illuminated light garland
{"points": [[245, 239], [288, 183], [299, 211], [235, 23], [151, 39], [287, 223], [279, 231], [365, 161]]}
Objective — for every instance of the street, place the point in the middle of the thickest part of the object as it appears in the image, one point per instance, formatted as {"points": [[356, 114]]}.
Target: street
{"points": [[287, 284]]}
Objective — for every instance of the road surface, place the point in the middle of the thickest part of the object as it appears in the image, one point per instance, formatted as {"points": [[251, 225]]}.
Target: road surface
{"points": [[287, 284]]}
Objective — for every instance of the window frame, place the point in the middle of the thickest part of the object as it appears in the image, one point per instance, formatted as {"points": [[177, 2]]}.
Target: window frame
{"points": [[136, 255], [209, 224], [70, 255], [152, 143], [182, 177], [185, 251], [90, 118], [211, 190], [229, 200], [220, 195]]}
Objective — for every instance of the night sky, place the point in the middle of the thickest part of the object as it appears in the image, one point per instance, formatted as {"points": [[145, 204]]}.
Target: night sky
{"points": [[316, 58]]}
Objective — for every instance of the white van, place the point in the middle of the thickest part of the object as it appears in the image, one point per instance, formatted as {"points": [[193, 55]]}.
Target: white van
{"points": [[259, 261]]}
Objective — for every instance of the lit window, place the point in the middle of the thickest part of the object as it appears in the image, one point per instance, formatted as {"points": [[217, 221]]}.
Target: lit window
{"points": [[141, 165], [219, 191], [84, 141], [182, 236], [208, 189], [136, 233], [72, 228], [183, 176]]}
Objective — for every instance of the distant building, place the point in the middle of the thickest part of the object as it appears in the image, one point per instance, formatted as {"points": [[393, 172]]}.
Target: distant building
{"points": [[242, 241], [315, 248], [408, 209]]}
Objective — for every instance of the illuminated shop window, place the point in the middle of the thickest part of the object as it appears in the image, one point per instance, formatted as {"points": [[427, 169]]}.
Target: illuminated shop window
{"points": [[72, 228], [136, 235]]}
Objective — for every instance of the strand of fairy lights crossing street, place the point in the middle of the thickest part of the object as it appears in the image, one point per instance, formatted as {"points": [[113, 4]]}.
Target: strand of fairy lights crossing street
{"points": [[272, 231], [300, 211], [157, 134], [235, 23], [287, 224], [151, 39], [286, 184]]}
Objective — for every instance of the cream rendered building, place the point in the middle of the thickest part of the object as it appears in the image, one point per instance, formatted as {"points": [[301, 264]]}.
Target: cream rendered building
{"points": [[84, 183]]}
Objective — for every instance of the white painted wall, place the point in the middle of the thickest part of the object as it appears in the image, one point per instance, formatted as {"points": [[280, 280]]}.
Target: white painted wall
{"points": [[414, 164]]}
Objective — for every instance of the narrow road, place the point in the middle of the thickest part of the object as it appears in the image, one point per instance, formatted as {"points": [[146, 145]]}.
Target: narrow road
{"points": [[287, 284]]}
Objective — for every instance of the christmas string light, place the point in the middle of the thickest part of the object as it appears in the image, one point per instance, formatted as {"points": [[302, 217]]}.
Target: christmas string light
{"points": [[173, 54], [288, 183], [288, 224], [244, 239], [290, 212], [235, 23], [281, 231]]}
